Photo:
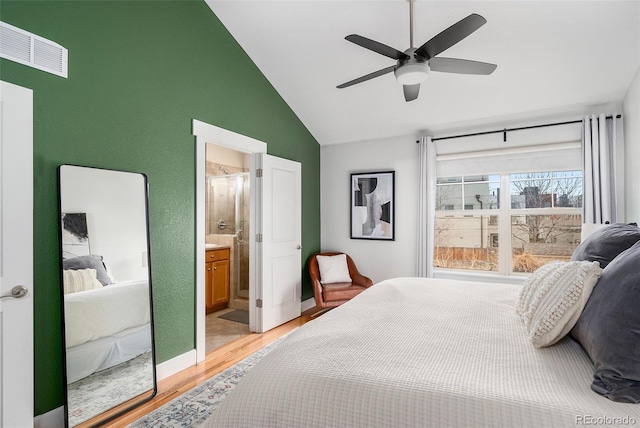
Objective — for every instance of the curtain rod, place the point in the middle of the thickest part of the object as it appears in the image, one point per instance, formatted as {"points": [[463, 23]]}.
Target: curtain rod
{"points": [[505, 130]]}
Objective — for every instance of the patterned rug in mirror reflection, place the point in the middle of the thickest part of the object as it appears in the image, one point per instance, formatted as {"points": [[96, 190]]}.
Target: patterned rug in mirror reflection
{"points": [[107, 388]]}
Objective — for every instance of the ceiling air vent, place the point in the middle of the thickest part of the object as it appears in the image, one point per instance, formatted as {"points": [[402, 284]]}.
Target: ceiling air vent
{"points": [[31, 50]]}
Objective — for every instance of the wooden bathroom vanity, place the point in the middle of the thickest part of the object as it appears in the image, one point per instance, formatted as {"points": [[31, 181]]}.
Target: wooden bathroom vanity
{"points": [[217, 279]]}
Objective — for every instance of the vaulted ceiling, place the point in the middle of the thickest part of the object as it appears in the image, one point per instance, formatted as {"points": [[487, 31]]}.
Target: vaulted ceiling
{"points": [[552, 56]]}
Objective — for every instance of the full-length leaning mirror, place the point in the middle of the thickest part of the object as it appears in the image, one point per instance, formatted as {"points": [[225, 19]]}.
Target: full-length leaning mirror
{"points": [[106, 293]]}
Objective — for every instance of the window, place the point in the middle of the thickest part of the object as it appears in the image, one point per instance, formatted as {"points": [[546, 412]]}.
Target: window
{"points": [[468, 193], [541, 220], [460, 243], [546, 190]]}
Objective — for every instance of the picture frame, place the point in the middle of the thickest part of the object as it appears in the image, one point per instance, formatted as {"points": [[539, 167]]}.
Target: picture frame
{"points": [[75, 235], [373, 205]]}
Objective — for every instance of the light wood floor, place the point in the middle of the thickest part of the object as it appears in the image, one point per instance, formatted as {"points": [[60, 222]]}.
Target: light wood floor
{"points": [[215, 362]]}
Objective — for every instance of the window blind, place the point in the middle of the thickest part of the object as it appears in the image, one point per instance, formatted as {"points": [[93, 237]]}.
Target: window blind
{"points": [[544, 157]]}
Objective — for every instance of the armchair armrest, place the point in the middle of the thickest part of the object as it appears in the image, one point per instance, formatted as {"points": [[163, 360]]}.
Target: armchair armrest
{"points": [[361, 280], [356, 277]]}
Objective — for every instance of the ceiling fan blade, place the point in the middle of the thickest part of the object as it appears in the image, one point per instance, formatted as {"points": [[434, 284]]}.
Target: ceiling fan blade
{"points": [[461, 66], [411, 92], [367, 77], [451, 36], [377, 47]]}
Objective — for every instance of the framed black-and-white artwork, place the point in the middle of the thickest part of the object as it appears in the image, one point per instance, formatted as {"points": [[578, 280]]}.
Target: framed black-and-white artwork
{"points": [[75, 235], [372, 205]]}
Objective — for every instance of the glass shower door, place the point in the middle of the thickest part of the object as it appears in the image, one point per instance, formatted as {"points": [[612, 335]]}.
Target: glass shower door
{"points": [[242, 232]]}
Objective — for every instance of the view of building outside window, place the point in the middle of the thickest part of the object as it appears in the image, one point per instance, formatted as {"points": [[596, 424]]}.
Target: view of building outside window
{"points": [[464, 242], [541, 219]]}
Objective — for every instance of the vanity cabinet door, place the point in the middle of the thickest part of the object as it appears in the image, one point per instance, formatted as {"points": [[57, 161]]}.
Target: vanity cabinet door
{"points": [[208, 287], [221, 282], [217, 280]]}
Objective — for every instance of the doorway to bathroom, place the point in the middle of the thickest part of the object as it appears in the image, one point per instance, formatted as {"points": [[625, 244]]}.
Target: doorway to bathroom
{"points": [[275, 276], [227, 228]]}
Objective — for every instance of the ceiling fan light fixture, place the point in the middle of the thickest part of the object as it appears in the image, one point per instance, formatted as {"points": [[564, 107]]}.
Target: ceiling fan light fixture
{"points": [[412, 73]]}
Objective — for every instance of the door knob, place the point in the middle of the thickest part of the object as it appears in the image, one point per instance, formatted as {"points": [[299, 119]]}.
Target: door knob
{"points": [[298, 247], [17, 292]]}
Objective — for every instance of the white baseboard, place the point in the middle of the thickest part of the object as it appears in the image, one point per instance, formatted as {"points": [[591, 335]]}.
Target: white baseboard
{"points": [[51, 419], [55, 417], [308, 304], [175, 365]]}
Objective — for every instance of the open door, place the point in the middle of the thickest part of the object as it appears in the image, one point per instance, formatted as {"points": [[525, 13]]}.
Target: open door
{"points": [[278, 287], [16, 256]]}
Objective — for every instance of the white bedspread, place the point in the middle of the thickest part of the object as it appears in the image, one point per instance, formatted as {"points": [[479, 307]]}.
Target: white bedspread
{"points": [[108, 311], [412, 352]]}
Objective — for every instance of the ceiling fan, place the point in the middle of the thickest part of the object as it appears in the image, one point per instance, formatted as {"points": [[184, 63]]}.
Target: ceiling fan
{"points": [[414, 64]]}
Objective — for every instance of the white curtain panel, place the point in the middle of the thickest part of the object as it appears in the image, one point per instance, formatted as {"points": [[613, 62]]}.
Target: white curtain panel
{"points": [[426, 208], [598, 156]]}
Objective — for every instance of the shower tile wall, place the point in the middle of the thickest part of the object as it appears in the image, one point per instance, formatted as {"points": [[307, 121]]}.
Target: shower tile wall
{"points": [[222, 207]]}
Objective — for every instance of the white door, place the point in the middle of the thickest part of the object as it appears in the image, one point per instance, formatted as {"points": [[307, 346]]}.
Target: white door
{"points": [[16, 256], [279, 269]]}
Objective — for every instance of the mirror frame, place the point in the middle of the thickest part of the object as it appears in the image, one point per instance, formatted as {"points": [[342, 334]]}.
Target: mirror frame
{"points": [[128, 405]]}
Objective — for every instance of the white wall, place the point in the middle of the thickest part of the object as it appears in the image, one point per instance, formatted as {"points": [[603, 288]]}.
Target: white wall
{"points": [[631, 111], [376, 259], [383, 259]]}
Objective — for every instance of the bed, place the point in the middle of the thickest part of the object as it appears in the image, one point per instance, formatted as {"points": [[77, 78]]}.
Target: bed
{"points": [[106, 326], [417, 352]]}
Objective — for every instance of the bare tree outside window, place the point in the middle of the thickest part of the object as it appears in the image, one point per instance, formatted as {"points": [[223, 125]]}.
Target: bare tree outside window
{"points": [[547, 190], [537, 239], [448, 196]]}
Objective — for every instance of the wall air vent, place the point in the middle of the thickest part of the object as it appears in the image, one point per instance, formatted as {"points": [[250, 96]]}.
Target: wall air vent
{"points": [[31, 50]]}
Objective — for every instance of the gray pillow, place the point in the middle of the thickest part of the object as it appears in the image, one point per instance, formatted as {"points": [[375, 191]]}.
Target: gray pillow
{"points": [[88, 262], [605, 244], [609, 329]]}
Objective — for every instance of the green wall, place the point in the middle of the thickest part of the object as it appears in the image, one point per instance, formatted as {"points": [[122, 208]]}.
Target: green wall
{"points": [[139, 72]]}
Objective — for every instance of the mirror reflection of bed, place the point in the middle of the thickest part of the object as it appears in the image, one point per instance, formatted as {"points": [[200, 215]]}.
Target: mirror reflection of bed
{"points": [[107, 311]]}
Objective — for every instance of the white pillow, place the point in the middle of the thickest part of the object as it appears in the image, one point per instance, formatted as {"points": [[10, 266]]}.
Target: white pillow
{"points": [[75, 280], [553, 298], [333, 269]]}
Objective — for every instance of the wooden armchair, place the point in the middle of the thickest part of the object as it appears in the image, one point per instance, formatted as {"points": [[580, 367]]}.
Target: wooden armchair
{"points": [[335, 294]]}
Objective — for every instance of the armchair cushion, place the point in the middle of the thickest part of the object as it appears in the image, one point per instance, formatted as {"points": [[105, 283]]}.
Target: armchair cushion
{"points": [[341, 291], [333, 269]]}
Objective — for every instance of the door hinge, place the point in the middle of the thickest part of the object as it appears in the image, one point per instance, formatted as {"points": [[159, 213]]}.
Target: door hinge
{"points": [[258, 237], [259, 172], [258, 303]]}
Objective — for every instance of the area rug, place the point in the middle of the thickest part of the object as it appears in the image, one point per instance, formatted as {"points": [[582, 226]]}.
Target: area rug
{"points": [[194, 406], [237, 315], [107, 388]]}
